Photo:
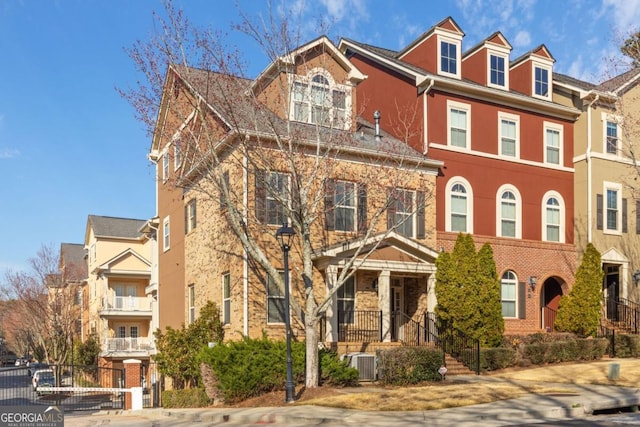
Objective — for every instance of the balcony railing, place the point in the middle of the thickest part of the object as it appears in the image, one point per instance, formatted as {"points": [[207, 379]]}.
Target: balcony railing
{"points": [[128, 344], [115, 303]]}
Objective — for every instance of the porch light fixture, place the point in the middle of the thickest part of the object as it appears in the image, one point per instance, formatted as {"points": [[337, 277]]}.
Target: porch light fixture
{"points": [[284, 236], [532, 283], [636, 276]]}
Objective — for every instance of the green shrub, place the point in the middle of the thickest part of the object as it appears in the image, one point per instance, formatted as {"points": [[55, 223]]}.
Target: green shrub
{"points": [[496, 358], [252, 367], [565, 351], [591, 349], [335, 371], [185, 398], [408, 365], [627, 345]]}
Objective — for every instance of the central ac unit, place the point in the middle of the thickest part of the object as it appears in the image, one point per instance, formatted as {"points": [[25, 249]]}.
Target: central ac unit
{"points": [[364, 363]]}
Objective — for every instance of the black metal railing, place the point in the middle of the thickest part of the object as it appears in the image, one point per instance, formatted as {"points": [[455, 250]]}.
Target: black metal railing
{"points": [[360, 326], [411, 332], [624, 314], [610, 334], [460, 346]]}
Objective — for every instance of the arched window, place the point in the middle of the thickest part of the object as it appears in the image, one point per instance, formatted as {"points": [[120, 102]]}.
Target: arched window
{"points": [[553, 224], [459, 206], [509, 294], [317, 99], [509, 213]]}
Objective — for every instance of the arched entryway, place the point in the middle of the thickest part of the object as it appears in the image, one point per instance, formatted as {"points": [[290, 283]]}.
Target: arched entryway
{"points": [[549, 302]]}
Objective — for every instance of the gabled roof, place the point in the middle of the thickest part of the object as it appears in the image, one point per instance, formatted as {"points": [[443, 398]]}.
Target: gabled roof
{"points": [[540, 52], [226, 96], [113, 262], [73, 254], [448, 24], [113, 227], [496, 39], [289, 59], [621, 83]]}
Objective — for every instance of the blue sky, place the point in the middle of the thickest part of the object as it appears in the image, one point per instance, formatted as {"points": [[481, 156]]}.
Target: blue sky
{"points": [[70, 146]]}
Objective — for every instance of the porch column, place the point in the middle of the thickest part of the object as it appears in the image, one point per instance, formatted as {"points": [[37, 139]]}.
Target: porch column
{"points": [[331, 319], [431, 293], [384, 302]]}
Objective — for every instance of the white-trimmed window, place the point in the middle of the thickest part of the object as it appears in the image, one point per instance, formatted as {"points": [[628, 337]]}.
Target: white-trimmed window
{"points": [[192, 304], [275, 301], [612, 133], [346, 297], [190, 216], [177, 153], [553, 137], [612, 208], [459, 206], [272, 197], [509, 294], [459, 124], [509, 134], [344, 205], [449, 55], [166, 234], [498, 70], [226, 298], [541, 81], [404, 215], [553, 222], [509, 209], [165, 167], [318, 99]]}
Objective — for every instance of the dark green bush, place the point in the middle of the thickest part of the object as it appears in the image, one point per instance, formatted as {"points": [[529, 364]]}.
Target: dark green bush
{"points": [[408, 365], [591, 349], [627, 345], [496, 358], [185, 398], [252, 367], [335, 371], [565, 351]]}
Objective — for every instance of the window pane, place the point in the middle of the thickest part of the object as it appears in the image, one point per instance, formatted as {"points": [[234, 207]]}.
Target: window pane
{"points": [[553, 146], [497, 70], [459, 223], [275, 310], [458, 128], [612, 138], [508, 146], [508, 294], [448, 57], [541, 81]]}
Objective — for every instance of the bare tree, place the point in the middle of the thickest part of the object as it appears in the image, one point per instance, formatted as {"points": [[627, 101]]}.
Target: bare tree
{"points": [[232, 129], [42, 315]]}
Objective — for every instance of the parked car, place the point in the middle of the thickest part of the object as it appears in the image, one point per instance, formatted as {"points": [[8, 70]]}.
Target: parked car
{"points": [[43, 378], [21, 362], [32, 367]]}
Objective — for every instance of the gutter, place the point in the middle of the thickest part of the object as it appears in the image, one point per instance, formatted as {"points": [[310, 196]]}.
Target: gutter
{"points": [[589, 172], [425, 136]]}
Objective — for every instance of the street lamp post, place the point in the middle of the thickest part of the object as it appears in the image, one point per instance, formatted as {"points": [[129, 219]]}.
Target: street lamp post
{"points": [[284, 235]]}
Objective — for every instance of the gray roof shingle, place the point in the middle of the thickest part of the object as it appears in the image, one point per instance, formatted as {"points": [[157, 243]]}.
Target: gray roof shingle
{"points": [[106, 226]]}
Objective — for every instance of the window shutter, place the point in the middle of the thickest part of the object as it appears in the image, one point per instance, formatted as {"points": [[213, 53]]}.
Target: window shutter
{"points": [[293, 196], [638, 217], [625, 229], [329, 214], [522, 300], [225, 178], [362, 208], [599, 211], [420, 217], [186, 218], [391, 208], [261, 197], [195, 219]]}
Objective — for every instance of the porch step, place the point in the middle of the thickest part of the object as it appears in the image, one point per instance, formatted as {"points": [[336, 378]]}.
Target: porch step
{"points": [[455, 367]]}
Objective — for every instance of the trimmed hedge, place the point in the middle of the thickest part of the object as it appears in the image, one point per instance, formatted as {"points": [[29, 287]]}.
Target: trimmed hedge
{"points": [[409, 365], [627, 345], [565, 351], [492, 359], [185, 398]]}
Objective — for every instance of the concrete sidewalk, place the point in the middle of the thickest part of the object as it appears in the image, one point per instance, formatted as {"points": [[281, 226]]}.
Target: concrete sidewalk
{"points": [[580, 401]]}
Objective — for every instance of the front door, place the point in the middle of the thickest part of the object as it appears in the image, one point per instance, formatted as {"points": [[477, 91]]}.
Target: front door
{"points": [[612, 290], [397, 308]]}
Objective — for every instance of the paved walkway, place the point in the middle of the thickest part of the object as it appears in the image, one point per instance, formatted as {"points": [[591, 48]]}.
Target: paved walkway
{"points": [[580, 401]]}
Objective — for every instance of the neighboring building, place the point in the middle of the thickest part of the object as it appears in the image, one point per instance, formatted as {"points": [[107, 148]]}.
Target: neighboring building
{"points": [[119, 272], [73, 267], [309, 97], [507, 149], [606, 179]]}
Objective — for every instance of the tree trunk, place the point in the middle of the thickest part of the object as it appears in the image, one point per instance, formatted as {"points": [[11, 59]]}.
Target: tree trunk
{"points": [[313, 364]]}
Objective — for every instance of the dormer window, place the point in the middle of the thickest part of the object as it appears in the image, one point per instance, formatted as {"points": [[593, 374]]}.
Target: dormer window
{"points": [[449, 57], [498, 71], [541, 82], [317, 99]]}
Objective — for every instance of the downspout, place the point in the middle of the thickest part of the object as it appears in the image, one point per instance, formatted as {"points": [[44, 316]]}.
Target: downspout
{"points": [[245, 261], [589, 174], [425, 141]]}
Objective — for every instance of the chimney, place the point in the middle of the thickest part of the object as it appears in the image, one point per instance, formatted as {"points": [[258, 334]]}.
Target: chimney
{"points": [[376, 118]]}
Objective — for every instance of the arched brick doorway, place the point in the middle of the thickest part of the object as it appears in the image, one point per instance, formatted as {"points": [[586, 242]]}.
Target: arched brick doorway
{"points": [[549, 302]]}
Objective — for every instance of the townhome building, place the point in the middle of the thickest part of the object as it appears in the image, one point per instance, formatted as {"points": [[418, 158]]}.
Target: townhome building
{"points": [[73, 267], [119, 303], [507, 149], [237, 158], [606, 182]]}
